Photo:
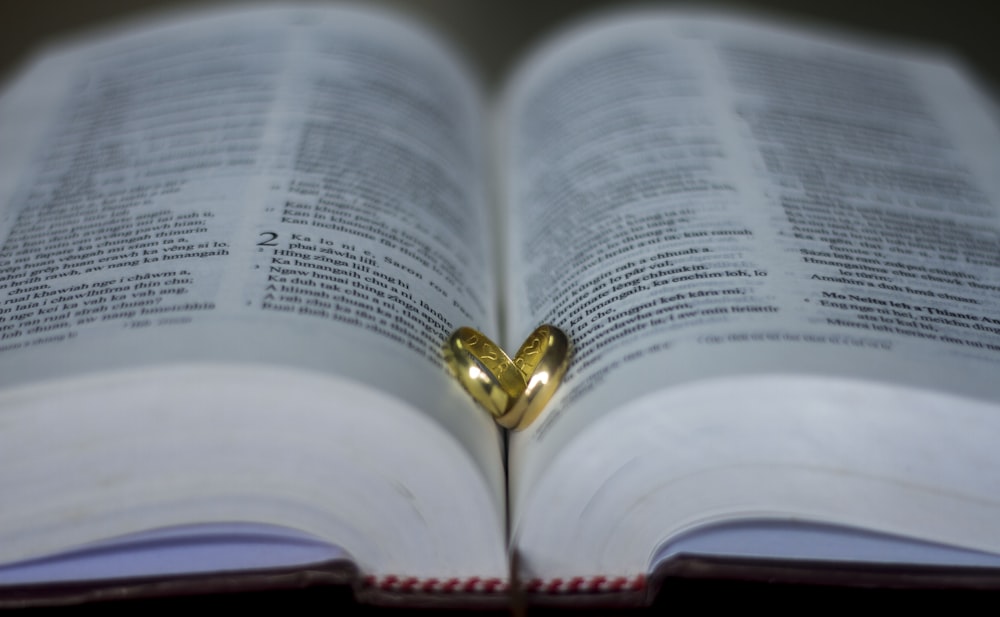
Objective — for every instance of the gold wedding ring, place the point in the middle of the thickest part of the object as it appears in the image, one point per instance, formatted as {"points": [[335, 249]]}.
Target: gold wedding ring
{"points": [[484, 370], [514, 391], [543, 359]]}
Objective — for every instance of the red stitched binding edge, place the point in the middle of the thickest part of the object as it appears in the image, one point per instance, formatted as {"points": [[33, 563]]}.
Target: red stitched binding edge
{"points": [[496, 586]]}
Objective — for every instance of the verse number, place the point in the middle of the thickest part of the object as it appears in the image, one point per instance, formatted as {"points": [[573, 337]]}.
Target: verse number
{"points": [[268, 238]]}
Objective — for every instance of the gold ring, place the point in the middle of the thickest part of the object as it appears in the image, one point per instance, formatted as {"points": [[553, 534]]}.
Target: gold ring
{"points": [[484, 370], [514, 391], [543, 359]]}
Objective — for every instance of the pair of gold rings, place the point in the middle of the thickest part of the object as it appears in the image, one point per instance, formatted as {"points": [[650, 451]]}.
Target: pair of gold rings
{"points": [[514, 391]]}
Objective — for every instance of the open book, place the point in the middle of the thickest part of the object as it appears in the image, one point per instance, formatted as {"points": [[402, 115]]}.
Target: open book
{"points": [[232, 246]]}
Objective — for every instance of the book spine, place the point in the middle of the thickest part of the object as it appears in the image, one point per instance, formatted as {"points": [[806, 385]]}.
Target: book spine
{"points": [[495, 586]]}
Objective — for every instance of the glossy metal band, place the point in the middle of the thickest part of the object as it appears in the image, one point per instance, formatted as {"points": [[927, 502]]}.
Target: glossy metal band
{"points": [[514, 391], [543, 359], [484, 370]]}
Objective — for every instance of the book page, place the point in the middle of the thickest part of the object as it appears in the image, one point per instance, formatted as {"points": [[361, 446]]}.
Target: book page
{"points": [[703, 199], [295, 188], [305, 190]]}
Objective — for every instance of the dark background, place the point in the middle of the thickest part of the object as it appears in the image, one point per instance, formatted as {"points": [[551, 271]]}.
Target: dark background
{"points": [[493, 35]]}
